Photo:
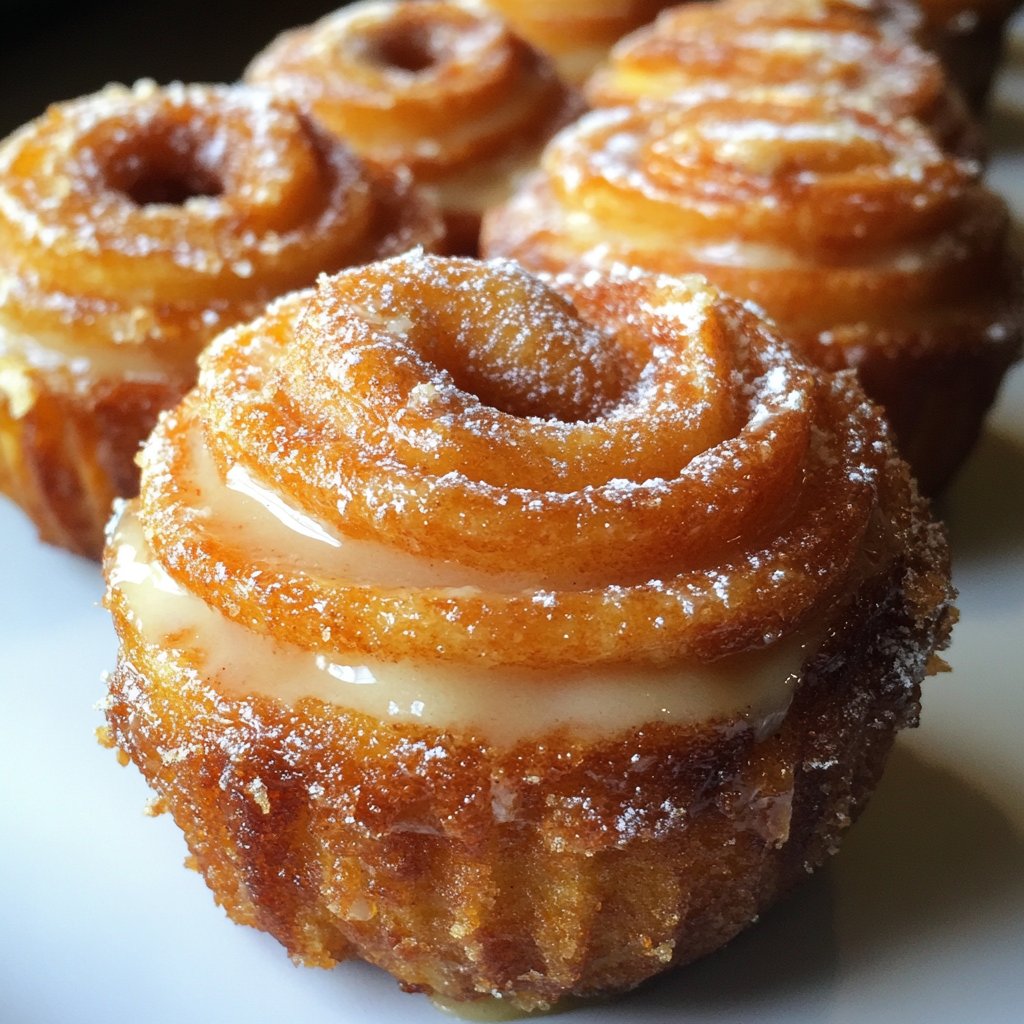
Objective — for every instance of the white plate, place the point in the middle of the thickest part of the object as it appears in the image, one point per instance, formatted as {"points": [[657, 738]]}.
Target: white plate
{"points": [[919, 919]]}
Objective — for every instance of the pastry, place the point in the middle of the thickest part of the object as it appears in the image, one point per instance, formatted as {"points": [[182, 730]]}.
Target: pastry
{"points": [[524, 642], [577, 35], [136, 224], [441, 87], [870, 247], [782, 50]]}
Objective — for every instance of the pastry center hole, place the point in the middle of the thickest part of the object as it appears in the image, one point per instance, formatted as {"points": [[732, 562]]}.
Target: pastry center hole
{"points": [[171, 187], [163, 169], [410, 48]]}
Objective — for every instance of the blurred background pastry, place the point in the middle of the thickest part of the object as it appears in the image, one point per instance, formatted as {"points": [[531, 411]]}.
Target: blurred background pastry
{"points": [[871, 247], [969, 39], [578, 35], [441, 87], [135, 224], [786, 49]]}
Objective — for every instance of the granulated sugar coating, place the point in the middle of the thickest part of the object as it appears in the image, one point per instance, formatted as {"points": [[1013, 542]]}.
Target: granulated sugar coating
{"points": [[870, 246], [789, 50]]}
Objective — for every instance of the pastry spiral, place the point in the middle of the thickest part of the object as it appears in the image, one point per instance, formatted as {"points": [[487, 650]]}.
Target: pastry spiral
{"points": [[135, 225], [438, 86], [967, 36], [523, 642], [870, 247], [578, 35], [788, 50]]}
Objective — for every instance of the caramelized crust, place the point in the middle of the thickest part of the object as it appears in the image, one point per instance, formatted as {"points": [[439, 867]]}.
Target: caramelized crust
{"points": [[67, 453], [782, 51], [577, 35], [967, 36], [522, 424], [438, 86], [134, 225], [870, 247]]}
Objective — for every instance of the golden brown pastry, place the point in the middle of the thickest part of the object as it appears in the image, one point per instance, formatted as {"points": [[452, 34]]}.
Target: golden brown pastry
{"points": [[439, 86], [897, 18], [869, 246], [783, 50], [134, 226], [522, 646], [579, 34]]}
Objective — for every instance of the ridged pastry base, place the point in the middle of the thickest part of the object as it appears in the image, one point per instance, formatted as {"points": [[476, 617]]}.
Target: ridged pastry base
{"points": [[68, 445], [937, 404], [572, 866]]}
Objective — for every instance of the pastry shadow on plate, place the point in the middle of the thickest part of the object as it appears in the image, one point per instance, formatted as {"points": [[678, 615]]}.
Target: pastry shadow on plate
{"points": [[931, 864], [934, 865]]}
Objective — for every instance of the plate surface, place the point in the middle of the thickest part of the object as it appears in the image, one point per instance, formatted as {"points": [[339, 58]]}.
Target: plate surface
{"points": [[920, 918]]}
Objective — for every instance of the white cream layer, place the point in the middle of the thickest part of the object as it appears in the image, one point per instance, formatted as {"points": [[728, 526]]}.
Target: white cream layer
{"points": [[496, 704], [53, 350]]}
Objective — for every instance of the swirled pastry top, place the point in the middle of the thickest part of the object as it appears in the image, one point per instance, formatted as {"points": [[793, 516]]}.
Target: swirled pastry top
{"points": [[902, 18], [834, 219], [478, 469], [439, 86], [137, 223], [796, 49]]}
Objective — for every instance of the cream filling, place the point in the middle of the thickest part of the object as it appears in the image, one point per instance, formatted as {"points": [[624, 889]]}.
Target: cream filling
{"points": [[497, 704], [502, 705], [56, 351], [600, 242], [277, 533]]}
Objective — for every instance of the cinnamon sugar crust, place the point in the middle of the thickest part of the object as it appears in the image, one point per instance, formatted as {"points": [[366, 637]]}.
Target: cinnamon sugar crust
{"points": [[855, 54]]}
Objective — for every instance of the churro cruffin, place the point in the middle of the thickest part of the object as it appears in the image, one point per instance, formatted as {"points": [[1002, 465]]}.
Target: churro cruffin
{"points": [[578, 35], [525, 639], [787, 49], [135, 225], [442, 87]]}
